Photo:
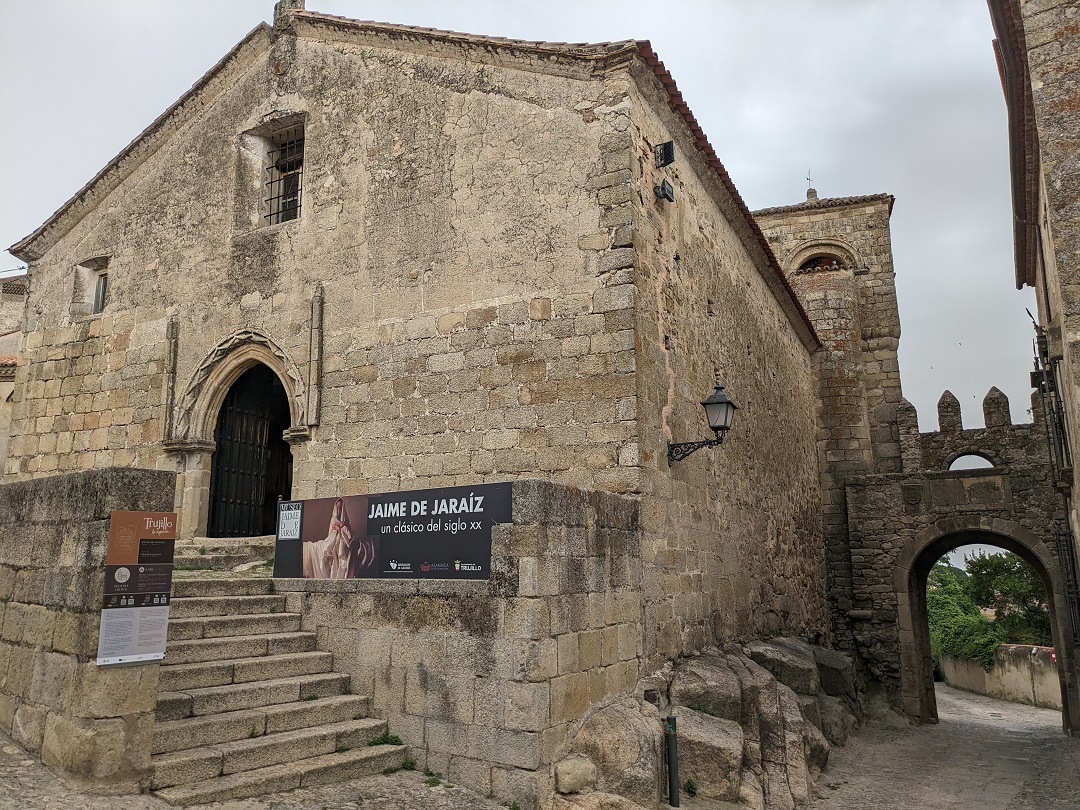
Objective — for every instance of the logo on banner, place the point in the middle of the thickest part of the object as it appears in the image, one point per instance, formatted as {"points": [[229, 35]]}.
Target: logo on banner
{"points": [[466, 566], [400, 565]]}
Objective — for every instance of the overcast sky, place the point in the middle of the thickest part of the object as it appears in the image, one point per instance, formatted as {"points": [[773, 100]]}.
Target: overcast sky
{"points": [[896, 96]]}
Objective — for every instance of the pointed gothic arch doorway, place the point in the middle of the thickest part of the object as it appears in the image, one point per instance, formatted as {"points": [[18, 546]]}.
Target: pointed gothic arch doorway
{"points": [[251, 467]]}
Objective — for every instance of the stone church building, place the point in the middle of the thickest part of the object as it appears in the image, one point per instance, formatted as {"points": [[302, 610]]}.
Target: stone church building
{"points": [[364, 258], [466, 277]]}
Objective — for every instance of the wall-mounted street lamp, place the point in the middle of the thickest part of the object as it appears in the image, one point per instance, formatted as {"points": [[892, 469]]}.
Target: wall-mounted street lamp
{"points": [[719, 411]]}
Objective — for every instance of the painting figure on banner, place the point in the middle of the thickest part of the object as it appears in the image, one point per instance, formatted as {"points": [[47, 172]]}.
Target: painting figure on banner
{"points": [[342, 553], [440, 533]]}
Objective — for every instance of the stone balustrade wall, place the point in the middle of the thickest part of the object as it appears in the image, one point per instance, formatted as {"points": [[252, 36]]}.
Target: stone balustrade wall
{"points": [[84, 721]]}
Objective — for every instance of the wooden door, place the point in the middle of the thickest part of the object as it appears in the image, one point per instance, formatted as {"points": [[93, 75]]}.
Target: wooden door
{"points": [[252, 465]]}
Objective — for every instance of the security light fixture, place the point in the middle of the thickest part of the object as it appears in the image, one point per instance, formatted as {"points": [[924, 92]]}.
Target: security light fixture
{"points": [[719, 411], [664, 191]]}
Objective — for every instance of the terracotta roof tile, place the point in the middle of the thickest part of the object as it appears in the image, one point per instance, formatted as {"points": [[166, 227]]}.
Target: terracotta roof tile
{"points": [[826, 202]]}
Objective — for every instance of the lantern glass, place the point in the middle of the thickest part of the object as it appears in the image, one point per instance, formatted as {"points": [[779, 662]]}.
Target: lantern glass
{"points": [[719, 410]]}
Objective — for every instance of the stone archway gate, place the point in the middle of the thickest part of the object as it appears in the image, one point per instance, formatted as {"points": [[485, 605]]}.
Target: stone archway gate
{"points": [[899, 523]]}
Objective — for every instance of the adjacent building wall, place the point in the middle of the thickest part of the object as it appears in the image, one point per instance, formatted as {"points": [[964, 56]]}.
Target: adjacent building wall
{"points": [[1020, 674], [1038, 49]]}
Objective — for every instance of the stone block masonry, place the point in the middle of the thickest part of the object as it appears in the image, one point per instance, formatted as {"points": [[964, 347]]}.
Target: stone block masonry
{"points": [[901, 523], [488, 681], [55, 701]]}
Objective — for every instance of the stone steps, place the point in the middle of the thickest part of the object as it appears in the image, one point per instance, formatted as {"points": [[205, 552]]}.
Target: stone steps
{"points": [[211, 729], [207, 762], [226, 647], [237, 586], [248, 705], [321, 770], [223, 553], [213, 562], [240, 625], [182, 677], [226, 606], [209, 700]]}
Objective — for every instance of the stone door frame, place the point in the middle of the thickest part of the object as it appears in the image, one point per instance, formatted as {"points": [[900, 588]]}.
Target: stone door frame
{"points": [[197, 412], [909, 574]]}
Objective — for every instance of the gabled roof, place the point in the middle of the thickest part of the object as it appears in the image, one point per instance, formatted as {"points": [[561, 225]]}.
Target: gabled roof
{"points": [[585, 57], [34, 246], [827, 202]]}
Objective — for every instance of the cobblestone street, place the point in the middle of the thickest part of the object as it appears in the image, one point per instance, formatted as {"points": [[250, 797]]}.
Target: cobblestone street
{"points": [[26, 785], [984, 754]]}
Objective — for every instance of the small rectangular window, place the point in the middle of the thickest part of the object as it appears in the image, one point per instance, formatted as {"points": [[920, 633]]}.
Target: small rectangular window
{"points": [[101, 289], [283, 179], [89, 289]]}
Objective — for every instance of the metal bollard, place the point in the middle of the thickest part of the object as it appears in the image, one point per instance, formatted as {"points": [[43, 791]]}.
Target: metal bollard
{"points": [[671, 744]]}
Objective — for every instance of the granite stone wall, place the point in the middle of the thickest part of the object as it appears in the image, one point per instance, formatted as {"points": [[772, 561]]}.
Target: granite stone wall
{"points": [[901, 523], [488, 680], [730, 535], [837, 253], [55, 701]]}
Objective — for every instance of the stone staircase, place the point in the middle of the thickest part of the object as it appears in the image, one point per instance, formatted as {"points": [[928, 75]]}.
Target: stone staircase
{"points": [[223, 553], [247, 705]]}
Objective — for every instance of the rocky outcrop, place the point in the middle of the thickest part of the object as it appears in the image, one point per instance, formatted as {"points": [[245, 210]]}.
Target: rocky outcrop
{"points": [[791, 662], [710, 753], [625, 743], [755, 725], [596, 801]]}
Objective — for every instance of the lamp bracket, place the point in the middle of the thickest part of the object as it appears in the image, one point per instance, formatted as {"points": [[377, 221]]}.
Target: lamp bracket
{"points": [[677, 451]]}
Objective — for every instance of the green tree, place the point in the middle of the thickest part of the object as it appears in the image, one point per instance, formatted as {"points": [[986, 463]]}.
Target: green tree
{"points": [[957, 626], [1010, 587]]}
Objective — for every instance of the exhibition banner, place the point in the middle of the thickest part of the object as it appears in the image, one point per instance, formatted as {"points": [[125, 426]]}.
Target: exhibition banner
{"points": [[138, 584], [425, 534]]}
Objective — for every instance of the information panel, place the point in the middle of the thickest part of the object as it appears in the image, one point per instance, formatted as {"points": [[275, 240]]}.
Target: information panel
{"points": [[424, 534], [138, 582]]}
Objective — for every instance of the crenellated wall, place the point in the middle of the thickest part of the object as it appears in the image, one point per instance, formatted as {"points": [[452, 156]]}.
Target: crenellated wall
{"points": [[901, 523]]}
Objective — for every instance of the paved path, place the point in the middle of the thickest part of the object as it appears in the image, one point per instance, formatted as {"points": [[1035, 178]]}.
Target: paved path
{"points": [[985, 754], [25, 784]]}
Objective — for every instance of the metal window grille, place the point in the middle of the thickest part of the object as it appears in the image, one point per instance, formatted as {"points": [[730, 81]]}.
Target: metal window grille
{"points": [[1045, 379], [284, 175], [101, 289]]}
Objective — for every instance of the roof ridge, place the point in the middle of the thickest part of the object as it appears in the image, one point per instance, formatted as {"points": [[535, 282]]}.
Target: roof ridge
{"points": [[826, 202], [21, 249], [461, 35]]}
